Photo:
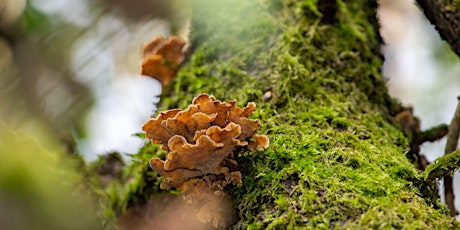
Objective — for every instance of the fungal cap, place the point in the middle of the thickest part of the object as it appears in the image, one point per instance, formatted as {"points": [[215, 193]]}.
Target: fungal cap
{"points": [[261, 142], [155, 131], [162, 57]]}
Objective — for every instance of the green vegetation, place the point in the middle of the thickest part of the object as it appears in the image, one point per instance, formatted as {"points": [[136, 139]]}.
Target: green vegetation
{"points": [[335, 159], [445, 165], [133, 184], [38, 188]]}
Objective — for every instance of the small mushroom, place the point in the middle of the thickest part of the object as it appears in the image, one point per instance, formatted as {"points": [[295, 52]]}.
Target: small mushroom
{"points": [[162, 58], [261, 142]]}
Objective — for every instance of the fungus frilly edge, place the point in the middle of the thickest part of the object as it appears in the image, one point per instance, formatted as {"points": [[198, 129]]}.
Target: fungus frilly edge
{"points": [[201, 142]]}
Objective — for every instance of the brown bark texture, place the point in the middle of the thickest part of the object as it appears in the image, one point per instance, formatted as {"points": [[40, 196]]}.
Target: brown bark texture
{"points": [[445, 16]]}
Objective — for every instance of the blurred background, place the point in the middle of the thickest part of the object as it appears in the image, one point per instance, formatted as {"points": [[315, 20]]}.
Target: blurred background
{"points": [[72, 68], [74, 65]]}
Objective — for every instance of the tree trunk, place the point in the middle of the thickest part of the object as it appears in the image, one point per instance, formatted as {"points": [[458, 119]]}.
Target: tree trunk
{"points": [[445, 16], [336, 157]]}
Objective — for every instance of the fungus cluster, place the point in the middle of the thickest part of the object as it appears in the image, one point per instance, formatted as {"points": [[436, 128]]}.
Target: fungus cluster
{"points": [[201, 143], [162, 58]]}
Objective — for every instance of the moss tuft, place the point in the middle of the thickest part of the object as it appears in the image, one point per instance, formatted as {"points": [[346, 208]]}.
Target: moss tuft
{"points": [[443, 166]]}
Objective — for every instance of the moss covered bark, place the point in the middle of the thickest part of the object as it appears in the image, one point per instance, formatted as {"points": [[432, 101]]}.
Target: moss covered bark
{"points": [[335, 159]]}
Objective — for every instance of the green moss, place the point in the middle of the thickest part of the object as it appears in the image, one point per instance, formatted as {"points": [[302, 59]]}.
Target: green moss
{"points": [[334, 160], [134, 185], [443, 166]]}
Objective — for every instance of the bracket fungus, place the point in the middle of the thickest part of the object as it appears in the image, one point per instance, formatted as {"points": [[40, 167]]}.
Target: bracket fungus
{"points": [[162, 58], [201, 143]]}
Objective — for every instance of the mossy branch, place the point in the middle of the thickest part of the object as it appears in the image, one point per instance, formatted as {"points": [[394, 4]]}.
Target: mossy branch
{"points": [[433, 134], [442, 167], [335, 161]]}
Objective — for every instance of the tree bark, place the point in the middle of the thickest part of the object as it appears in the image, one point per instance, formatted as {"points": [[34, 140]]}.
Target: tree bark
{"points": [[445, 16], [336, 157]]}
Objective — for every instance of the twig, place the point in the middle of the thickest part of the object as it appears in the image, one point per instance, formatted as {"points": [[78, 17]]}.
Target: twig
{"points": [[453, 134], [433, 134], [411, 127], [451, 146]]}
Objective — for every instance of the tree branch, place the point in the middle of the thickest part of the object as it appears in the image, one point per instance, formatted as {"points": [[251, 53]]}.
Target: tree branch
{"points": [[441, 167], [445, 15], [433, 134], [451, 146], [454, 131]]}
